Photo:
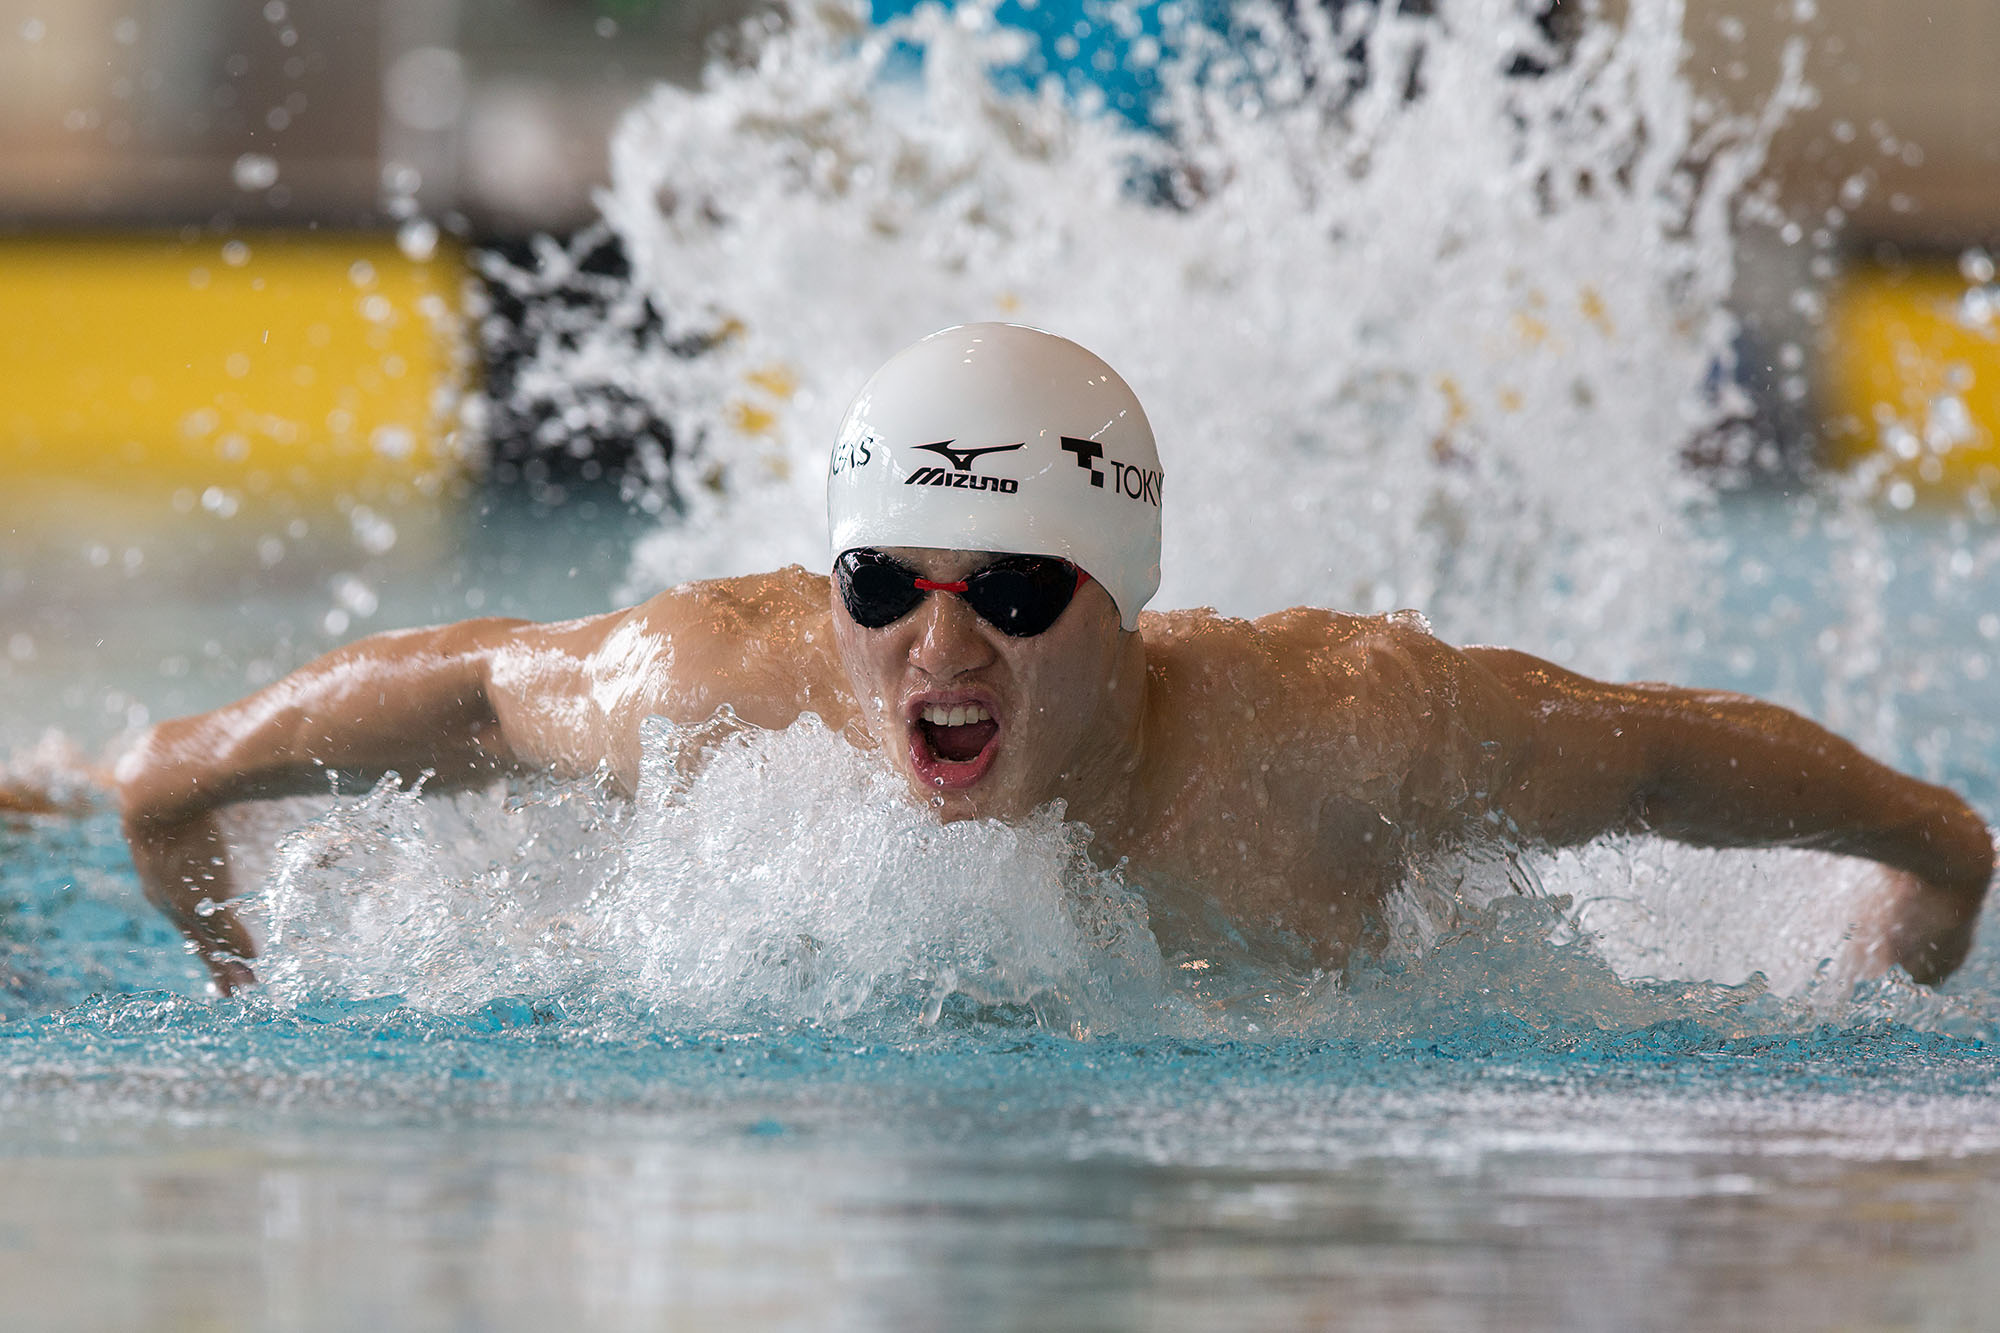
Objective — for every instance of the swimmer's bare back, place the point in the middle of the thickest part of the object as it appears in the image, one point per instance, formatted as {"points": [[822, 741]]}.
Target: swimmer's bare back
{"points": [[1362, 737]]}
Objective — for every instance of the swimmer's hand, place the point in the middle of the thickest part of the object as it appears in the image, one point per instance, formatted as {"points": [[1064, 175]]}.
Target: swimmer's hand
{"points": [[1925, 929], [22, 799], [183, 868], [1926, 915], [54, 778]]}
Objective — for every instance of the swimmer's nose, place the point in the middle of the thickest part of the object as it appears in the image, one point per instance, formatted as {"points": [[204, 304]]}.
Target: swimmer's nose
{"points": [[949, 642]]}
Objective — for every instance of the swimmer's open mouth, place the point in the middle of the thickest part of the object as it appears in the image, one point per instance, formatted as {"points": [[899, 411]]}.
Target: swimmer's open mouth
{"points": [[952, 743]]}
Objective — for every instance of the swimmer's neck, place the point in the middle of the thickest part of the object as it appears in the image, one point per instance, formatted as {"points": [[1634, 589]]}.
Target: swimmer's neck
{"points": [[1105, 785]]}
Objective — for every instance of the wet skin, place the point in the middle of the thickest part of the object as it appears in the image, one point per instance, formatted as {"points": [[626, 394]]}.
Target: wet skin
{"points": [[1288, 766]]}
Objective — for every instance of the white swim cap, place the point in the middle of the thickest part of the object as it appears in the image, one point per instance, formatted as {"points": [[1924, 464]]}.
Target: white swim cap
{"points": [[998, 437]]}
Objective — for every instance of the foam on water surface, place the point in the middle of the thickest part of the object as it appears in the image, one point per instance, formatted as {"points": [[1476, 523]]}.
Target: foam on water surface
{"points": [[785, 878], [792, 882]]}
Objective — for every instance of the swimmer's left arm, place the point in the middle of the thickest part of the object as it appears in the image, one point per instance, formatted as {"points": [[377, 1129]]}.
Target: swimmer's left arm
{"points": [[1713, 769]]}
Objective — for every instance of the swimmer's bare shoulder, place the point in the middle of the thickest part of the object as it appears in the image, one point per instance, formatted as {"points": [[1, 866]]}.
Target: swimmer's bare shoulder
{"points": [[1369, 713], [572, 697], [1288, 757]]}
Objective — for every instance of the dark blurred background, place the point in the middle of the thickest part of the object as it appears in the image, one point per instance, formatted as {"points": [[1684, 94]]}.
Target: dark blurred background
{"points": [[123, 113]]}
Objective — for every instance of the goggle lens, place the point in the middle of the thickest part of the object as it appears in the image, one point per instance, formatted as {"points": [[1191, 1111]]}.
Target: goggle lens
{"points": [[878, 591], [1019, 595]]}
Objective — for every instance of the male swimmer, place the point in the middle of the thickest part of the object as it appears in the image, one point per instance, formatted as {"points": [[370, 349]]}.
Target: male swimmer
{"points": [[994, 497]]}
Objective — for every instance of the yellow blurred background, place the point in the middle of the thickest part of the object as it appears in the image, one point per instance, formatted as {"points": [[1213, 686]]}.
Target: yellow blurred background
{"points": [[265, 366], [218, 281]]}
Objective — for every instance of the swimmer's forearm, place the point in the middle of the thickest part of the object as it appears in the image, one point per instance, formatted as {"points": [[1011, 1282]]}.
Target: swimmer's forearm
{"points": [[411, 702], [1727, 771], [1722, 770], [414, 702], [184, 872], [1736, 773]]}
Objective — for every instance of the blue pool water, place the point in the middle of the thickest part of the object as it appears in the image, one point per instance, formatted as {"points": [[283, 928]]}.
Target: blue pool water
{"points": [[1500, 1131]]}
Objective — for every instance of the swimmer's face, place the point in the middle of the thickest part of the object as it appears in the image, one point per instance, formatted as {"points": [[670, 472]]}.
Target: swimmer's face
{"points": [[1033, 708]]}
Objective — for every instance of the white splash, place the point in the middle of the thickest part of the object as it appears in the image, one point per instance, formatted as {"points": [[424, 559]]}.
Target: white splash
{"points": [[785, 877], [1443, 348], [792, 881]]}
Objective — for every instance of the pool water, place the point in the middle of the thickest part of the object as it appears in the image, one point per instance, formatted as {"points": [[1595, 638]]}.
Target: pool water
{"points": [[431, 1116], [782, 1052], [803, 1181]]}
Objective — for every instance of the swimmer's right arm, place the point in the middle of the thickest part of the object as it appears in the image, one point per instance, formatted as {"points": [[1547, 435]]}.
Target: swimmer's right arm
{"points": [[411, 702], [1713, 769]]}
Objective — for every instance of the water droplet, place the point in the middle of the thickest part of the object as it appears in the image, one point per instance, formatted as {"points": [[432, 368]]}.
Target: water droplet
{"points": [[373, 532], [425, 88], [354, 596], [417, 239], [393, 442]]}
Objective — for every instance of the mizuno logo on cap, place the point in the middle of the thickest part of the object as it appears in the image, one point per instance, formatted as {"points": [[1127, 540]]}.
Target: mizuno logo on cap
{"points": [[964, 481], [961, 459]]}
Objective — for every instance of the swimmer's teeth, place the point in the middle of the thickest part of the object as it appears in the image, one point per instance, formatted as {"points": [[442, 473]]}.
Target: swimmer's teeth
{"points": [[958, 715]]}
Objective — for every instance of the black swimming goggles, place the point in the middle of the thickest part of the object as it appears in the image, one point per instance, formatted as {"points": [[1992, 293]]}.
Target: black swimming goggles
{"points": [[1019, 595]]}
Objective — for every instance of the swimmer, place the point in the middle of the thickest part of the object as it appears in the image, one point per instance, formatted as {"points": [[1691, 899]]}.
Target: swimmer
{"points": [[52, 778], [994, 500]]}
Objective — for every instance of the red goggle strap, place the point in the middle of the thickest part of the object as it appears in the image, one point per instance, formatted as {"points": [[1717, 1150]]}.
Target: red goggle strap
{"points": [[928, 586]]}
